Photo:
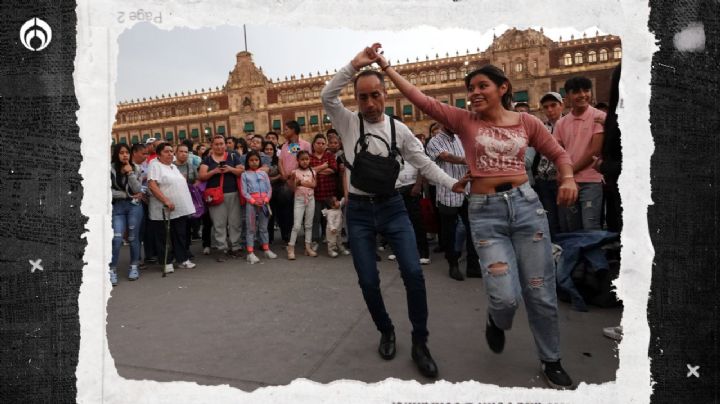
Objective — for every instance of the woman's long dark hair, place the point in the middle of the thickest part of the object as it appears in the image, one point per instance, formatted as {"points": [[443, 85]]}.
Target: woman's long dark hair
{"points": [[275, 160], [241, 142], [497, 76], [115, 159]]}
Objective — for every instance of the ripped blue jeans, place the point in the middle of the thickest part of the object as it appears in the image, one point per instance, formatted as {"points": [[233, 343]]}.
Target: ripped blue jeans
{"points": [[126, 216], [512, 239]]}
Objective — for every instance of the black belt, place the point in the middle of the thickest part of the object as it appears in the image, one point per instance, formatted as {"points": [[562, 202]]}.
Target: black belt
{"points": [[372, 198]]}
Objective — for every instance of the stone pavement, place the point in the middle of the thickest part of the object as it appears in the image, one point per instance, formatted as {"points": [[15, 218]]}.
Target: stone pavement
{"points": [[252, 326]]}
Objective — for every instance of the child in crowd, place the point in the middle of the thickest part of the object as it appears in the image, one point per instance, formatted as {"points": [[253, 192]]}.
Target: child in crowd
{"points": [[256, 190], [303, 180], [334, 216]]}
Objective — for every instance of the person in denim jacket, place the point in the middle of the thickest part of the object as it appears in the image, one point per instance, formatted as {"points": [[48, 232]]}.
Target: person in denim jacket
{"points": [[257, 191]]}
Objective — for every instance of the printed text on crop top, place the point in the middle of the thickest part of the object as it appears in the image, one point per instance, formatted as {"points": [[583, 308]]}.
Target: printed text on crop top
{"points": [[492, 151]]}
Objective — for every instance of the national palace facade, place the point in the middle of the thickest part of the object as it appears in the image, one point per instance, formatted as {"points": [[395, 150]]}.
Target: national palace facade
{"points": [[249, 102]]}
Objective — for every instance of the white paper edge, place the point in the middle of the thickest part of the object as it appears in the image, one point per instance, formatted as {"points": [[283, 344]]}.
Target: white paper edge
{"points": [[94, 78]]}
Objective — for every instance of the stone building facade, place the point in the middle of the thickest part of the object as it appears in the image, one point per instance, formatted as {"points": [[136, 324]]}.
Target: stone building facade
{"points": [[249, 102]]}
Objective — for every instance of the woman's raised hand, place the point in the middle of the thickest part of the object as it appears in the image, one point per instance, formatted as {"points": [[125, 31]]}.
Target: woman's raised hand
{"points": [[375, 52], [368, 56]]}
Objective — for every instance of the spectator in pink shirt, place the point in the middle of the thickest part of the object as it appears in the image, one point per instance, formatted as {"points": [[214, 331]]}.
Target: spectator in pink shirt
{"points": [[581, 133]]}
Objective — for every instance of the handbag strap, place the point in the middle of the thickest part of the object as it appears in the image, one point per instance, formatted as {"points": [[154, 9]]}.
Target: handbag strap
{"points": [[222, 175]]}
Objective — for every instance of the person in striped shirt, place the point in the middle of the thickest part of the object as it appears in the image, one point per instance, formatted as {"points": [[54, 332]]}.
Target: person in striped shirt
{"points": [[446, 150]]}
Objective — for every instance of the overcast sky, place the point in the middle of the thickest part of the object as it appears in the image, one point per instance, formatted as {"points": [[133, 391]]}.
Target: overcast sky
{"points": [[152, 61]]}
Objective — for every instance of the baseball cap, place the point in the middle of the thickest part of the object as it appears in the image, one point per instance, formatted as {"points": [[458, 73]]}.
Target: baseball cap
{"points": [[150, 140], [551, 96]]}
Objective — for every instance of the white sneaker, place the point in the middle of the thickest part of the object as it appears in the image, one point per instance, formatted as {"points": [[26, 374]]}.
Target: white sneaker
{"points": [[332, 253], [424, 261], [168, 269], [188, 265], [381, 248], [344, 251], [615, 333], [252, 258], [270, 254], [391, 257], [206, 251]]}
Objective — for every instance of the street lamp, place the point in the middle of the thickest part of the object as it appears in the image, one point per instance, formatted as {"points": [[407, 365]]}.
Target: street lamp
{"points": [[207, 109]]}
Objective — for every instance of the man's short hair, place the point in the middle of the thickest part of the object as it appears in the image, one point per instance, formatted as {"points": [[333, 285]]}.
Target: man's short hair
{"points": [[160, 147], [136, 147], [294, 126], [188, 143], [365, 73], [578, 83]]}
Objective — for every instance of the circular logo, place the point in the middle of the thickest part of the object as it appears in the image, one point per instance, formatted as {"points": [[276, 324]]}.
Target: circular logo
{"points": [[294, 148], [35, 34]]}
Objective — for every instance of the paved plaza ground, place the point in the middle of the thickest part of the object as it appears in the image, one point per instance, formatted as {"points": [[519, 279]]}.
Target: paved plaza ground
{"points": [[252, 326]]}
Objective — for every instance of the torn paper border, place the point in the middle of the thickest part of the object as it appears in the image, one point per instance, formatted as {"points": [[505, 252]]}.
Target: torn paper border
{"points": [[95, 75]]}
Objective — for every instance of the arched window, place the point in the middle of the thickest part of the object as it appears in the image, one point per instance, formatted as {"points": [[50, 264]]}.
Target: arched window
{"points": [[423, 78], [578, 58], [307, 94], [617, 53], [443, 76], [463, 71], [453, 74], [413, 79], [592, 56], [431, 77], [567, 59], [518, 67], [603, 57]]}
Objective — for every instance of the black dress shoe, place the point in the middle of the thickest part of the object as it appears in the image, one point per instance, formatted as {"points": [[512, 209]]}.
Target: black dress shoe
{"points": [[425, 363], [495, 336], [387, 345], [455, 273]]}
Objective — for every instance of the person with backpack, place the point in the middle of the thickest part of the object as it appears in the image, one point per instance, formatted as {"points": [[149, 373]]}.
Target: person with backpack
{"points": [[373, 144]]}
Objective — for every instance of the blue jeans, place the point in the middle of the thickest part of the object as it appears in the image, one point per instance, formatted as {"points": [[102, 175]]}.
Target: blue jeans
{"points": [[126, 216], [547, 191], [586, 214], [388, 217], [256, 222], [511, 237]]}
